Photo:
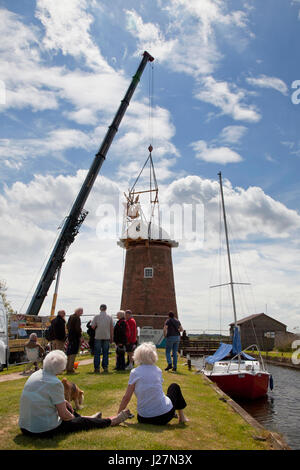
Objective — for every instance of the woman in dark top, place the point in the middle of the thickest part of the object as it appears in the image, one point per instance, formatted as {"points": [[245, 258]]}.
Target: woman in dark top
{"points": [[172, 331], [91, 332], [59, 331], [74, 337], [120, 340]]}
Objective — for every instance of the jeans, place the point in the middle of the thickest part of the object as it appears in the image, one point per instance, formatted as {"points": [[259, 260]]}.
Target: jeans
{"points": [[101, 347], [172, 344]]}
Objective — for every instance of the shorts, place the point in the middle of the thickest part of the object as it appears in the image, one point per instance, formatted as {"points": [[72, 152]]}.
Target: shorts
{"points": [[130, 347]]}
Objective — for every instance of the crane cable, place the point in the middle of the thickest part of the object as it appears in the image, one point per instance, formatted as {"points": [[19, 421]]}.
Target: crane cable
{"points": [[150, 98]]}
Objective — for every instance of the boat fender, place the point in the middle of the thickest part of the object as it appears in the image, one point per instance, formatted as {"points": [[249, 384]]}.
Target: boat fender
{"points": [[271, 382]]}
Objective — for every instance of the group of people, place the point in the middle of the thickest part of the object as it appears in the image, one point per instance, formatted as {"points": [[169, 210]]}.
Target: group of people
{"points": [[44, 412], [102, 333]]}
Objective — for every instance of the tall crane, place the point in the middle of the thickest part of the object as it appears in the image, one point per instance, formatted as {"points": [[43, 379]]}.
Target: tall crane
{"points": [[77, 214]]}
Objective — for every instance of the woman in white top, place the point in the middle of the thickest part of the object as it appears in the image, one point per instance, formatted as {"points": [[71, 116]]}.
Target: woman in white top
{"points": [[44, 412], [153, 406]]}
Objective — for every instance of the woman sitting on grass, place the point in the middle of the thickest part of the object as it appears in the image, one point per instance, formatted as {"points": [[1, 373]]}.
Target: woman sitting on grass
{"points": [[154, 407], [44, 412]]}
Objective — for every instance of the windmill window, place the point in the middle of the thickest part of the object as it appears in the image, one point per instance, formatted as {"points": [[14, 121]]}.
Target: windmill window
{"points": [[148, 273]]}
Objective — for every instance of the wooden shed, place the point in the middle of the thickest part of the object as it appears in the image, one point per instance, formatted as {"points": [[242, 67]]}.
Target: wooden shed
{"points": [[259, 329]]}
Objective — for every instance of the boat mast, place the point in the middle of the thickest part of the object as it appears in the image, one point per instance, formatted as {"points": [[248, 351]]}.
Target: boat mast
{"points": [[228, 250]]}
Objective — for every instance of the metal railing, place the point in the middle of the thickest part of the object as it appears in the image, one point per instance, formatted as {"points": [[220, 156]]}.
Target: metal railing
{"points": [[239, 356]]}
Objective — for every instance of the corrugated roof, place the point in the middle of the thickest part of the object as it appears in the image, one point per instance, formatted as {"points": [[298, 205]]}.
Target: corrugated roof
{"points": [[255, 315]]}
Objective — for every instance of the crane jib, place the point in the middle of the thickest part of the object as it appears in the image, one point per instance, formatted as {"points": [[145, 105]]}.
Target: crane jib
{"points": [[77, 213]]}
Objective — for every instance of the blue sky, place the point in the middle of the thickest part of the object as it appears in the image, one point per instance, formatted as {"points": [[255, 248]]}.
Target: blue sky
{"points": [[222, 100]]}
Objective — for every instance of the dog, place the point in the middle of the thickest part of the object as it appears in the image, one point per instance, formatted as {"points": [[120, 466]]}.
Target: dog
{"points": [[73, 392]]}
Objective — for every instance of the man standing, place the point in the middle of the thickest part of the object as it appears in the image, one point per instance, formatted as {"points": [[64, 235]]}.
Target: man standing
{"points": [[131, 337], [104, 333], [59, 331], [74, 337]]}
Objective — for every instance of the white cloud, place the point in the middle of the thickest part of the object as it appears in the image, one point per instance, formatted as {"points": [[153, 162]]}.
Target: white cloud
{"points": [[163, 170], [232, 134], [31, 83], [253, 213], [178, 52], [269, 82], [67, 25], [269, 158], [227, 97], [213, 154], [140, 131], [188, 44], [54, 143], [20, 60]]}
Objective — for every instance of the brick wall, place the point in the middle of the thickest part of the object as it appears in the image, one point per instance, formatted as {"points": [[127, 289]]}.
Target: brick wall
{"points": [[149, 296]]}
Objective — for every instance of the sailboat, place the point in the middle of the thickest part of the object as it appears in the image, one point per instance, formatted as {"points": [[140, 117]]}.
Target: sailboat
{"points": [[234, 371]]}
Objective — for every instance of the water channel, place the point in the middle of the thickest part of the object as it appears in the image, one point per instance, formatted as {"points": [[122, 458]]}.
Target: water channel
{"points": [[279, 411]]}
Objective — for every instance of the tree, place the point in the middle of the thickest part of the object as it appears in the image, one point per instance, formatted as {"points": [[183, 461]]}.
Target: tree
{"points": [[6, 306]]}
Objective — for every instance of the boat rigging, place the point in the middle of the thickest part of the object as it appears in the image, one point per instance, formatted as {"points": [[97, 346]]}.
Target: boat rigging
{"points": [[235, 372]]}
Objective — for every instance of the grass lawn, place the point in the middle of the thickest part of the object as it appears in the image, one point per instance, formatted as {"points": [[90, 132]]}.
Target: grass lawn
{"points": [[213, 424], [273, 354], [277, 354]]}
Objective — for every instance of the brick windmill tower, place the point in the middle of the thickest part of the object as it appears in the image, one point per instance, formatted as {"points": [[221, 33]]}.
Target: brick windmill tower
{"points": [[148, 283]]}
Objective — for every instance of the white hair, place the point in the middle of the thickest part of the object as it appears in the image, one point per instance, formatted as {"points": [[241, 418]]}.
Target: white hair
{"points": [[121, 314], [33, 336], [55, 362], [145, 354]]}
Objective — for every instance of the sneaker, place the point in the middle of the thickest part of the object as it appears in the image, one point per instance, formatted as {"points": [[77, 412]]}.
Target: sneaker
{"points": [[169, 366], [105, 370], [125, 414], [97, 371], [174, 369]]}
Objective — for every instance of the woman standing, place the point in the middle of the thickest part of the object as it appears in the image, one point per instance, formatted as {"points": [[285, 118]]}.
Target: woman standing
{"points": [[120, 340], [154, 407], [172, 331], [74, 337]]}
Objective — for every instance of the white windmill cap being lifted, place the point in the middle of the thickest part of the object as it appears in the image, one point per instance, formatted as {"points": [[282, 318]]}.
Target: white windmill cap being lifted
{"points": [[137, 226], [141, 230]]}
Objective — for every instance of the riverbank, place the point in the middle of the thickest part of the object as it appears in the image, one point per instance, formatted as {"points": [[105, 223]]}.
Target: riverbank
{"points": [[284, 360], [215, 424]]}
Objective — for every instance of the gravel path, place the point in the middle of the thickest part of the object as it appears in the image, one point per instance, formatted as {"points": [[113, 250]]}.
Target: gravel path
{"points": [[20, 375]]}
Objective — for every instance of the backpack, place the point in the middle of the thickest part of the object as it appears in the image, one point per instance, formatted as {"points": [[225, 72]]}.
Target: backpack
{"points": [[49, 333]]}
